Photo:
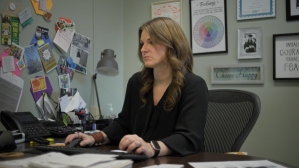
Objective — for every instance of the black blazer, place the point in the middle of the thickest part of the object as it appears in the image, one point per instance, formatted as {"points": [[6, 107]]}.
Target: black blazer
{"points": [[182, 129]]}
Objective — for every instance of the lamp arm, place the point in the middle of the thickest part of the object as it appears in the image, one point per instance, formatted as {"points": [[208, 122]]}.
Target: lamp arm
{"points": [[94, 77]]}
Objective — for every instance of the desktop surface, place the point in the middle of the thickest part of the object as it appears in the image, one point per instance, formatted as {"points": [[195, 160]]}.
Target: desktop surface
{"points": [[198, 157]]}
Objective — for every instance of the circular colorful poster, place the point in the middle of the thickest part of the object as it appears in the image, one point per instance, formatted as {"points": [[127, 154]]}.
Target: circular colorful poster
{"points": [[208, 31]]}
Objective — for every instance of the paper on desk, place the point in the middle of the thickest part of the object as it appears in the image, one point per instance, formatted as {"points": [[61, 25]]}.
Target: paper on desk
{"points": [[76, 103], [114, 164], [27, 161], [119, 151], [236, 164], [84, 160], [8, 64], [63, 101], [166, 166]]}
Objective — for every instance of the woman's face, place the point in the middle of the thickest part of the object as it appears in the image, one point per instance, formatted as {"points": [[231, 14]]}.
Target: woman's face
{"points": [[153, 57]]}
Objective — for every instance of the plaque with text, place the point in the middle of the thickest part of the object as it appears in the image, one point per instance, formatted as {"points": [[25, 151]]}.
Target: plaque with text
{"points": [[237, 74], [286, 56]]}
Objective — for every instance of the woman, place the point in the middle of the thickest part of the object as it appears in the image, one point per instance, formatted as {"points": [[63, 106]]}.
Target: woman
{"points": [[165, 104]]}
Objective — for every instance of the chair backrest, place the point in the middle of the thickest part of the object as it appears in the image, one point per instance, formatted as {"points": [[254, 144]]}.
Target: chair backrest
{"points": [[231, 116]]}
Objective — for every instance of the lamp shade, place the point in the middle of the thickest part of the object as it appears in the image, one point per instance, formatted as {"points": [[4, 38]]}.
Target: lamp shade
{"points": [[107, 66]]}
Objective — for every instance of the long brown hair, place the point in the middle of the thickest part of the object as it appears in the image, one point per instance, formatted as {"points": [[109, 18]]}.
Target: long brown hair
{"points": [[167, 32]]}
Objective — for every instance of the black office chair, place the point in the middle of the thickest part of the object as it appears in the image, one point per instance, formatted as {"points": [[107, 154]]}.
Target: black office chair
{"points": [[231, 116]]}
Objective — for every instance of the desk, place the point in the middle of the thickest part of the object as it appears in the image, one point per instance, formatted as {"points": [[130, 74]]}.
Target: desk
{"points": [[198, 157]]}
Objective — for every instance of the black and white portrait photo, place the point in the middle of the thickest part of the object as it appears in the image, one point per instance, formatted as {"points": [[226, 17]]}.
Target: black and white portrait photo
{"points": [[249, 43]]}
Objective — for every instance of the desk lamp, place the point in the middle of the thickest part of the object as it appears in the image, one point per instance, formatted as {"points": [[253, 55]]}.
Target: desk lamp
{"points": [[107, 66]]}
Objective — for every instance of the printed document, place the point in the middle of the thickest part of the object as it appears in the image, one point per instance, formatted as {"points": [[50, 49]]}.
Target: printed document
{"points": [[236, 164], [10, 91], [8, 64]]}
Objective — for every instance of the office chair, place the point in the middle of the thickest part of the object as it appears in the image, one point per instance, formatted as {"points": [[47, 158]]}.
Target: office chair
{"points": [[230, 118]]}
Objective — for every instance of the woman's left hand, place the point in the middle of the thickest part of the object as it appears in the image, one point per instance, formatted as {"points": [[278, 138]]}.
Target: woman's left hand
{"points": [[131, 142]]}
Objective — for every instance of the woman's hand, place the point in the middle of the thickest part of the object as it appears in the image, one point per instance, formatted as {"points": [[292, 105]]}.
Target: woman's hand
{"points": [[131, 142], [86, 139]]}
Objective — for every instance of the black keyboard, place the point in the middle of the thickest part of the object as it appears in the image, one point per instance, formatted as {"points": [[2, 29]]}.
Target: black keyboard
{"points": [[72, 150], [58, 129], [35, 130]]}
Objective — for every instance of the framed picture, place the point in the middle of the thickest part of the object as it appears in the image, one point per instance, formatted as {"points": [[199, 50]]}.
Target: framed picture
{"points": [[286, 56], [254, 9], [237, 74], [250, 43], [171, 9], [208, 26], [292, 9]]}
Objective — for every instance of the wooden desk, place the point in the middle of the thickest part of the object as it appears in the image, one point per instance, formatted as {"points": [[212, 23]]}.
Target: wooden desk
{"points": [[198, 157]]}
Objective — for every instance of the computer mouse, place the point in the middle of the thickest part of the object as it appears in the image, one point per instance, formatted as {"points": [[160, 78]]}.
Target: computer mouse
{"points": [[74, 143]]}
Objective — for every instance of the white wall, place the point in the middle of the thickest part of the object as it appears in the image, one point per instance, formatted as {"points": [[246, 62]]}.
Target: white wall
{"points": [[275, 135]]}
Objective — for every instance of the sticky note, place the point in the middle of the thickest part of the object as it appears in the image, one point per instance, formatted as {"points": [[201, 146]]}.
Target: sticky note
{"points": [[40, 42]]}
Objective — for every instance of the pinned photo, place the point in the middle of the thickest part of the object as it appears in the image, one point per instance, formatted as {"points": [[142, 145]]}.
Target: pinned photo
{"points": [[63, 25], [64, 67], [21, 64], [47, 15], [16, 51], [64, 81], [32, 59], [39, 84], [81, 41], [70, 92], [78, 68], [5, 31]]}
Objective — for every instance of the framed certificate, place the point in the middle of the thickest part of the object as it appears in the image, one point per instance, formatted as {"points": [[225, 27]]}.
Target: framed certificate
{"points": [[208, 26], [292, 9], [253, 9], [286, 56]]}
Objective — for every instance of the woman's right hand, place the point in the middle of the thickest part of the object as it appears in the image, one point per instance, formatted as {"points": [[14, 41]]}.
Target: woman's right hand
{"points": [[86, 139]]}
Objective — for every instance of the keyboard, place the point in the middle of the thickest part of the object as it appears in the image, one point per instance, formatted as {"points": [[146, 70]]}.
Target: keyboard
{"points": [[73, 150], [58, 129]]}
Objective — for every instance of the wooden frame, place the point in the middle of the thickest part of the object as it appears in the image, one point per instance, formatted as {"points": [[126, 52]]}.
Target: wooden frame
{"points": [[208, 29], [171, 9], [250, 43], [237, 74], [286, 56], [292, 10]]}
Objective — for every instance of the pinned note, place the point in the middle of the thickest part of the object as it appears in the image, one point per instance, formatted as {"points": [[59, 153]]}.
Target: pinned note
{"points": [[43, 5], [40, 42]]}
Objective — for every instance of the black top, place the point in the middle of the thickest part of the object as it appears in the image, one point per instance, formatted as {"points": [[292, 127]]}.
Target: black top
{"points": [[182, 129]]}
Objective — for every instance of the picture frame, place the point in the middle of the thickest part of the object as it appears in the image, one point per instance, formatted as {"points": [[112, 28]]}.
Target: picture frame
{"points": [[292, 10], [286, 56], [208, 26], [237, 74], [250, 43], [171, 9], [255, 9]]}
